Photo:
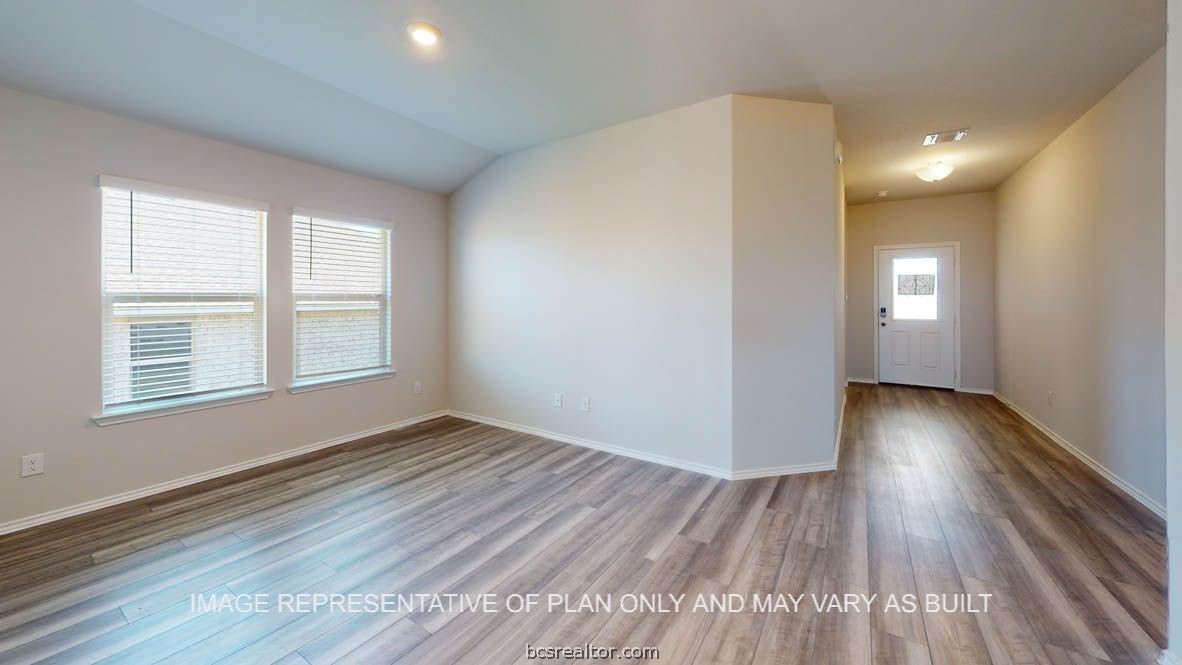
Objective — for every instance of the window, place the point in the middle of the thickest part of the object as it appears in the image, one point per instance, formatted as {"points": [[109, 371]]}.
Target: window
{"points": [[915, 288], [183, 301], [341, 285]]}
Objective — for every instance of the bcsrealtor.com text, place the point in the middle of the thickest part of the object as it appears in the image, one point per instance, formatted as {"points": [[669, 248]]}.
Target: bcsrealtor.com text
{"points": [[491, 603]]}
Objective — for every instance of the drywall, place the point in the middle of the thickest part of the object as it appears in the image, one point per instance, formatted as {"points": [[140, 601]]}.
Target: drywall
{"points": [[967, 218], [840, 297], [1173, 331], [600, 267], [679, 271], [785, 237], [49, 345], [1080, 275]]}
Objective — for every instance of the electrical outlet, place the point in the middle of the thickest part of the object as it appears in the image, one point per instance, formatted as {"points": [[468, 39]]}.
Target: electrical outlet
{"points": [[1051, 397], [33, 465], [418, 387], [557, 401], [586, 406]]}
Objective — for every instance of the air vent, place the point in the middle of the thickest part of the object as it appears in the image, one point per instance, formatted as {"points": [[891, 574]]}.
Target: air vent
{"points": [[944, 137]]}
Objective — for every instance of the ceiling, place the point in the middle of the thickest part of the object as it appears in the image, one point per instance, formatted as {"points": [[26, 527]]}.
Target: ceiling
{"points": [[339, 82]]}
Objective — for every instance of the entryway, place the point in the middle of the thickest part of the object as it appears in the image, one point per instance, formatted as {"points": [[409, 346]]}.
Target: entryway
{"points": [[916, 325]]}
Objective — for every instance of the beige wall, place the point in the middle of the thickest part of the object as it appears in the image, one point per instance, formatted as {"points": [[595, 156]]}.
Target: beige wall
{"points": [[785, 234], [840, 371], [1080, 267], [49, 262], [1173, 326], [968, 218], [600, 266], [658, 267]]}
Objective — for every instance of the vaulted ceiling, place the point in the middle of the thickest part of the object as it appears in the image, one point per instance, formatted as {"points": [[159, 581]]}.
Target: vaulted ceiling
{"points": [[339, 83]]}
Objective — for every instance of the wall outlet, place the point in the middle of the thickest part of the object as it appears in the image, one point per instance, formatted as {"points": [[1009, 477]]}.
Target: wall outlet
{"points": [[33, 465], [1051, 397], [586, 405], [557, 401], [418, 387]]}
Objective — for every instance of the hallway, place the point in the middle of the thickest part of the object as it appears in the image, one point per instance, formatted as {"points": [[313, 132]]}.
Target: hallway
{"points": [[961, 494]]}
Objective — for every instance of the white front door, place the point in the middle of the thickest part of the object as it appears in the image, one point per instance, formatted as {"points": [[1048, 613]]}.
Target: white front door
{"points": [[916, 316]]}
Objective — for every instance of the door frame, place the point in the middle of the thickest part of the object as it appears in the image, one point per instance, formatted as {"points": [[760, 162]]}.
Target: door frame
{"points": [[955, 245]]}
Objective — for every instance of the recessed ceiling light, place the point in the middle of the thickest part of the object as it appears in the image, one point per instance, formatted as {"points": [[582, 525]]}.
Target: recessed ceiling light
{"points": [[934, 171], [882, 194], [941, 137], [424, 34]]}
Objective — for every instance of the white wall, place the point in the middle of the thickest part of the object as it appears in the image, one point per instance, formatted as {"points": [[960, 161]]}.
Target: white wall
{"points": [[785, 240], [840, 296], [968, 218], [49, 341], [1173, 332], [679, 270], [1080, 279], [600, 266]]}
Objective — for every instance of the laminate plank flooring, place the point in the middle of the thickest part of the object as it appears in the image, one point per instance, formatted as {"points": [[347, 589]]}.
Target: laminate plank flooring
{"points": [[935, 493]]}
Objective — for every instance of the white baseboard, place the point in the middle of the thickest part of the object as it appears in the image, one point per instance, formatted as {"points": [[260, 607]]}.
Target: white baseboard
{"points": [[976, 391], [1169, 658], [674, 462], [772, 471], [854, 379], [124, 497], [1099, 468], [717, 472]]}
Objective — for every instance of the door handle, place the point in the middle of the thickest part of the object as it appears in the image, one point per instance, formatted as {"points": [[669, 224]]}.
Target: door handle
{"points": [[882, 316]]}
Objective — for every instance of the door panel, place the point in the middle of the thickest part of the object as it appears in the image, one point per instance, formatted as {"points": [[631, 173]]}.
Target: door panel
{"points": [[929, 354], [917, 316], [901, 348]]}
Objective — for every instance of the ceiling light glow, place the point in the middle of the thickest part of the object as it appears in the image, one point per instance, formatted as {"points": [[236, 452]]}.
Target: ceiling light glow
{"points": [[934, 171], [424, 34]]}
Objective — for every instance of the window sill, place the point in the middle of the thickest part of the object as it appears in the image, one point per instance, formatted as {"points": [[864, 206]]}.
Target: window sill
{"points": [[182, 405], [340, 380]]}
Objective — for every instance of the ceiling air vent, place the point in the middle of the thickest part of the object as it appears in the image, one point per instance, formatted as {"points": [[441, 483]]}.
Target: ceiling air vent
{"points": [[943, 137]]}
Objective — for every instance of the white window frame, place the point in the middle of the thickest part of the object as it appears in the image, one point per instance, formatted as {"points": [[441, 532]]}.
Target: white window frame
{"points": [[330, 380], [195, 401]]}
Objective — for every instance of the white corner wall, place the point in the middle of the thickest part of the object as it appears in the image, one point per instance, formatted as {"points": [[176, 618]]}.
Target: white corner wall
{"points": [[1173, 325], [680, 271], [840, 296], [1080, 278], [49, 345], [600, 266], [967, 218], [786, 276]]}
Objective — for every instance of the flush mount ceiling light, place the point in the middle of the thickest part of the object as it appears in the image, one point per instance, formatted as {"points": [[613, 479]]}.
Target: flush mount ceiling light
{"points": [[941, 137], [882, 194], [934, 171], [424, 34]]}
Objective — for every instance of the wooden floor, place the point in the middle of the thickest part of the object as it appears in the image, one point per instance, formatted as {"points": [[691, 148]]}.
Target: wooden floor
{"points": [[936, 493]]}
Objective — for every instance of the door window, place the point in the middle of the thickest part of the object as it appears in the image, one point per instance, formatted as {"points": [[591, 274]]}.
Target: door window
{"points": [[915, 287]]}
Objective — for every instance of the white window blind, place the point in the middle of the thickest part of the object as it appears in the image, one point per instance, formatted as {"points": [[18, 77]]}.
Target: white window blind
{"points": [[183, 303], [341, 284]]}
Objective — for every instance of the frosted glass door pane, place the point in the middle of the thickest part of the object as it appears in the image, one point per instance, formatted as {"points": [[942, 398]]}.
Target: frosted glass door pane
{"points": [[915, 289]]}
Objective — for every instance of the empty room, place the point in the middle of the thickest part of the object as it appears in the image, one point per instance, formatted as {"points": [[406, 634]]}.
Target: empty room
{"points": [[665, 331]]}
